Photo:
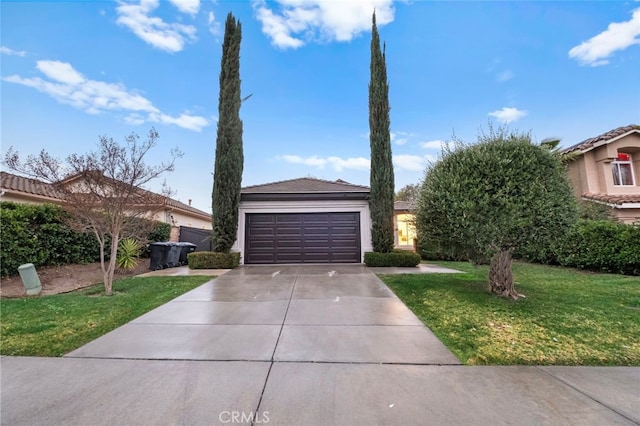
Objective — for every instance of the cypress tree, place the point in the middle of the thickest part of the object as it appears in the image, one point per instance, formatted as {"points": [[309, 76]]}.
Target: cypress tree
{"points": [[227, 176], [381, 175]]}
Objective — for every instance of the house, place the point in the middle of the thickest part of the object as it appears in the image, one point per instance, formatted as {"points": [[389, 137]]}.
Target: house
{"points": [[606, 170], [304, 220], [404, 226], [19, 189]]}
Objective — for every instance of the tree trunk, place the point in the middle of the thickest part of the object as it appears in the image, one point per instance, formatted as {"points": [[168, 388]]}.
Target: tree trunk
{"points": [[501, 276], [107, 273]]}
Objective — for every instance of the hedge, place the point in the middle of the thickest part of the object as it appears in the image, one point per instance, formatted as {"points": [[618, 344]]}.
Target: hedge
{"points": [[213, 260], [39, 234], [595, 245], [401, 258], [602, 245]]}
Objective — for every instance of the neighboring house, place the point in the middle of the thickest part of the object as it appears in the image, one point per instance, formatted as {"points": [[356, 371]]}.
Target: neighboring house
{"points": [[404, 226], [606, 170], [20, 189], [304, 220]]}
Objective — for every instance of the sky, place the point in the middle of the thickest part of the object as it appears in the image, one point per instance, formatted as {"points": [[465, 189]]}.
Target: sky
{"points": [[73, 71]]}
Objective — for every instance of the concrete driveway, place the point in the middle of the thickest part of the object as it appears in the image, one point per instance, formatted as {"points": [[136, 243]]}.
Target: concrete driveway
{"points": [[298, 345]]}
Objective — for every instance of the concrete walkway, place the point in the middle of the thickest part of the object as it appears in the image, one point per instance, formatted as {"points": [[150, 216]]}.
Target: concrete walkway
{"points": [[298, 345]]}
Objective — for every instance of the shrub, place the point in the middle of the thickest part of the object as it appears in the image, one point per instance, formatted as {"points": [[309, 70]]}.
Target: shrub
{"points": [[40, 234], [394, 258], [602, 245], [128, 252], [213, 260]]}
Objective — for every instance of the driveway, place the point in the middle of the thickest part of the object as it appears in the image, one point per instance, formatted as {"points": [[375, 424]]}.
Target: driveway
{"points": [[297, 345]]}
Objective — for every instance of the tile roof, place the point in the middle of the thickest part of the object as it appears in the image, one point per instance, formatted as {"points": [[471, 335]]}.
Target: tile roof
{"points": [[26, 185], [304, 185], [611, 134], [402, 205], [21, 184], [617, 199]]}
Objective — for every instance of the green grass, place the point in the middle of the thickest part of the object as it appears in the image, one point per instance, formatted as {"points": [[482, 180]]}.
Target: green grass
{"points": [[56, 325], [568, 317]]}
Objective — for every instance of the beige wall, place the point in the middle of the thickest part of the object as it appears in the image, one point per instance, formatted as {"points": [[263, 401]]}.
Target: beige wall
{"points": [[592, 171], [17, 198], [630, 216]]}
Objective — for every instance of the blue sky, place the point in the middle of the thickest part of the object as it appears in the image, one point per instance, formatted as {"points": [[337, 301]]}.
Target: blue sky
{"points": [[72, 71]]}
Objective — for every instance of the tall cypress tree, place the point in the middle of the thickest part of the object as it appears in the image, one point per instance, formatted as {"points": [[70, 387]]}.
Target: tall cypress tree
{"points": [[381, 175], [227, 176]]}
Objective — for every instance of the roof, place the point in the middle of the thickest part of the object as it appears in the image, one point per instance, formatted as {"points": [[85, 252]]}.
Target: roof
{"points": [[616, 199], [609, 136], [21, 184], [26, 185], [402, 206], [304, 185]]}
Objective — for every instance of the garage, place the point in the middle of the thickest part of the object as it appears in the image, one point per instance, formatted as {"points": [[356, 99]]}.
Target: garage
{"points": [[303, 220], [332, 237]]}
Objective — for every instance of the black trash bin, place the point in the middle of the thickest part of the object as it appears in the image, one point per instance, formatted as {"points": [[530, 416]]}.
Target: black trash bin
{"points": [[158, 256], [173, 257], [185, 249]]}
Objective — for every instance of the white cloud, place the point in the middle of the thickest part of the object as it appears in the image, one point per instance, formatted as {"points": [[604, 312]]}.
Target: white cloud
{"points": [[412, 163], [508, 115], [505, 75], [400, 138], [298, 22], [190, 7], [153, 30], [214, 24], [436, 144], [338, 164], [7, 51], [70, 87], [617, 36]]}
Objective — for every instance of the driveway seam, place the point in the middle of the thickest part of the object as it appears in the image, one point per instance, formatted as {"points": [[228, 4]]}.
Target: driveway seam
{"points": [[581, 392], [275, 348]]}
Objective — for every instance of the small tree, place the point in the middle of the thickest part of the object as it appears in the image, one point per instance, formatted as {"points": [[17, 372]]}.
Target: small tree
{"points": [[381, 175], [488, 199], [227, 177], [408, 193], [103, 190]]}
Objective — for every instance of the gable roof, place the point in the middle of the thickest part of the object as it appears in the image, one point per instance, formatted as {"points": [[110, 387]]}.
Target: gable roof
{"points": [[305, 189], [304, 185], [610, 136], [32, 187], [20, 184]]}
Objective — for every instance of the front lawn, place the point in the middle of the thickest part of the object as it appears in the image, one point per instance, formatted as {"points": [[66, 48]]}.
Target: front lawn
{"points": [[56, 325], [568, 317]]}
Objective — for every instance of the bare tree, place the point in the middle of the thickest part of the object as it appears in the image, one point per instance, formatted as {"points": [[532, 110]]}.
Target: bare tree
{"points": [[103, 190]]}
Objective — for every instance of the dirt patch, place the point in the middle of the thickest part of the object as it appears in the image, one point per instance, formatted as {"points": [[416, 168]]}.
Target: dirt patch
{"points": [[63, 279]]}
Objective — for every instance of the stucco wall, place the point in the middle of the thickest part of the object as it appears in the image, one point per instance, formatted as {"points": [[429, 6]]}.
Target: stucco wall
{"points": [[362, 207]]}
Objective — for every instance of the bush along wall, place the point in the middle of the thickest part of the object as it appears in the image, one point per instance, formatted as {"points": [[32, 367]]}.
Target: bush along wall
{"points": [[400, 258], [213, 260], [602, 245], [39, 234]]}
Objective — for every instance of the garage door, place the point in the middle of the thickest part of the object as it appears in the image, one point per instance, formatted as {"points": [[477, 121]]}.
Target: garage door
{"points": [[302, 238]]}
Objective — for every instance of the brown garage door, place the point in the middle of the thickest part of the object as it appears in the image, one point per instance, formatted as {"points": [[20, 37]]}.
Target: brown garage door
{"points": [[302, 238]]}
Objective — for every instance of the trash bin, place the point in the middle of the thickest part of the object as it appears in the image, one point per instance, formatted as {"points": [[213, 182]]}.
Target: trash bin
{"points": [[30, 279], [158, 258], [185, 249], [173, 257]]}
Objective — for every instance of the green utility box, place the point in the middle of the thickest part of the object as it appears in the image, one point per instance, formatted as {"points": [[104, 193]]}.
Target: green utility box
{"points": [[30, 279]]}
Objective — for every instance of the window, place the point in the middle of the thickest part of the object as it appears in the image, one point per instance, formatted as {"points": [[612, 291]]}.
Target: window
{"points": [[622, 168]]}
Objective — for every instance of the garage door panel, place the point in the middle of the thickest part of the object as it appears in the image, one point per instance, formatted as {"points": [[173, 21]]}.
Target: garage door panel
{"points": [[303, 238]]}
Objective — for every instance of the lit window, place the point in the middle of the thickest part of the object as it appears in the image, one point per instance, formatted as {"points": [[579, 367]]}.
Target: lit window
{"points": [[623, 170]]}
